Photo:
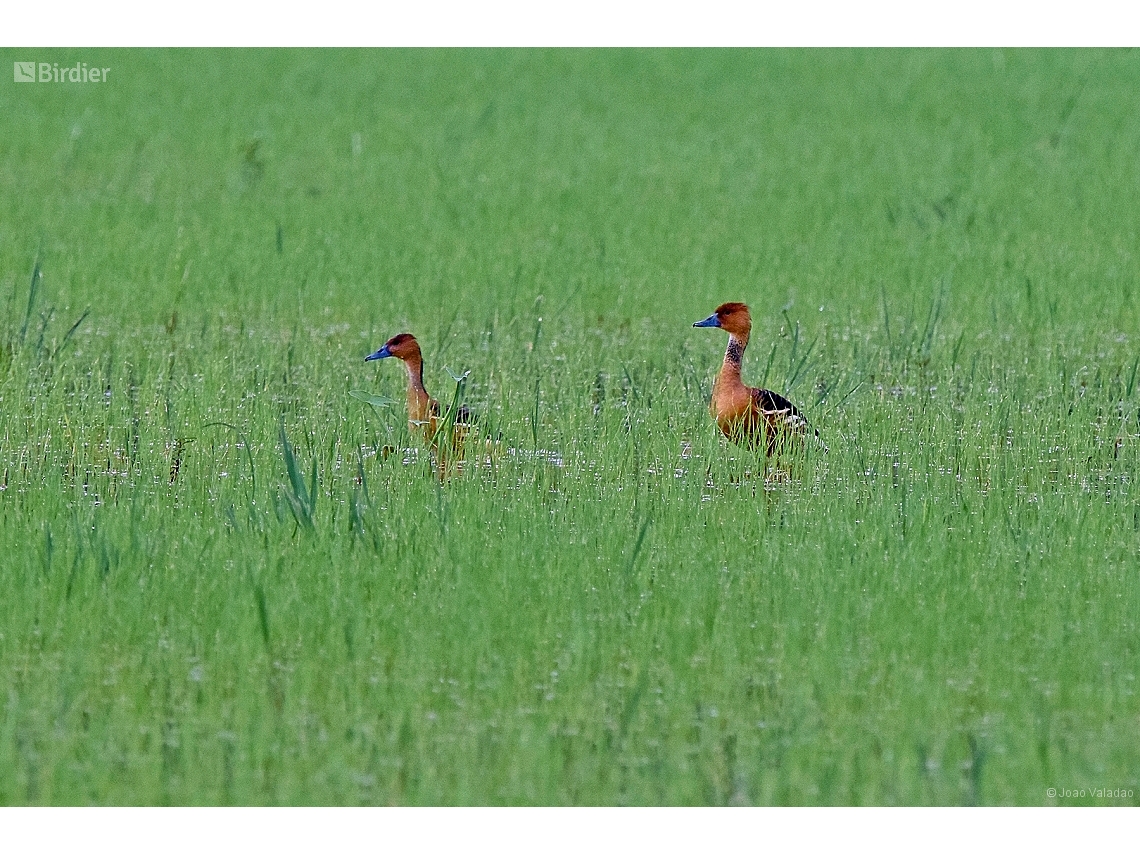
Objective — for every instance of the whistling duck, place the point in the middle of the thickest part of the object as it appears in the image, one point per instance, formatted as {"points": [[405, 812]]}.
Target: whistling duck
{"points": [[425, 416], [746, 415]]}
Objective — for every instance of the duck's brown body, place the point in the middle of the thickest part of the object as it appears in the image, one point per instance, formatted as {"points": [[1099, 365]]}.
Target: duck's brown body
{"points": [[747, 415], [423, 409]]}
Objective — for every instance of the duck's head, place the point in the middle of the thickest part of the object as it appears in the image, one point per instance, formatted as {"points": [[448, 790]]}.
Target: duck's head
{"points": [[403, 346], [730, 317]]}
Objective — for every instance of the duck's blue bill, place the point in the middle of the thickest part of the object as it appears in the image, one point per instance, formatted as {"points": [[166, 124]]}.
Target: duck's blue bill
{"points": [[710, 321], [382, 353]]}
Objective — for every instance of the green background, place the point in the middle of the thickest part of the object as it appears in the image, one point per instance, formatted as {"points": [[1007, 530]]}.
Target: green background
{"points": [[939, 249]]}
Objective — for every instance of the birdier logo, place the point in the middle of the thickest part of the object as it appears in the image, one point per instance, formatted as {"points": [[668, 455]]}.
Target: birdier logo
{"points": [[52, 72]]}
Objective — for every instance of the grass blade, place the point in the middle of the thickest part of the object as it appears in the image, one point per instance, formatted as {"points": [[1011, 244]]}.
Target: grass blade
{"points": [[299, 499], [32, 289]]}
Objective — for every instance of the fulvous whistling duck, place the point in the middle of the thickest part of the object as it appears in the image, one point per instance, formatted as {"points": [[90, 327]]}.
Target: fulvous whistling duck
{"points": [[746, 415], [425, 416]]}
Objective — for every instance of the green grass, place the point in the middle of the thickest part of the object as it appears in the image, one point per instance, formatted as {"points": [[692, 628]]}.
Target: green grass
{"points": [[218, 588]]}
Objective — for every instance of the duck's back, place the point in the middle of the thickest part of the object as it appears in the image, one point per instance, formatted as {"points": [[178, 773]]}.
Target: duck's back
{"points": [[777, 407], [782, 419], [753, 415]]}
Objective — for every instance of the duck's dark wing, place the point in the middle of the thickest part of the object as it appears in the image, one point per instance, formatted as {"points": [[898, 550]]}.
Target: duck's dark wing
{"points": [[777, 408], [463, 417]]}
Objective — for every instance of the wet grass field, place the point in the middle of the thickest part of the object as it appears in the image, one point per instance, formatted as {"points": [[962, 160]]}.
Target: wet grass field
{"points": [[228, 580]]}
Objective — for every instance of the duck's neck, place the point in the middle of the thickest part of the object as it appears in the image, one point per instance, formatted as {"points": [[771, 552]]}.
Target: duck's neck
{"points": [[733, 357], [419, 401]]}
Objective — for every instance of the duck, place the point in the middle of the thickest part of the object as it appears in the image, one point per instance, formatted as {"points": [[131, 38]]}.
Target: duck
{"points": [[426, 418], [746, 415]]}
